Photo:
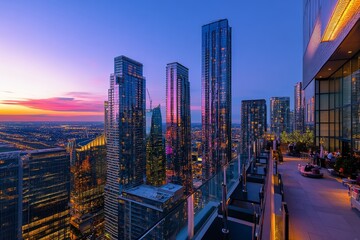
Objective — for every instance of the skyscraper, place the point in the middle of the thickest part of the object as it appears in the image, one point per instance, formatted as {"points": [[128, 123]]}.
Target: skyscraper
{"points": [[178, 126], [216, 96], [10, 195], [279, 115], [88, 176], [253, 122], [45, 194], [298, 108], [34, 194], [291, 121], [126, 146], [155, 151]]}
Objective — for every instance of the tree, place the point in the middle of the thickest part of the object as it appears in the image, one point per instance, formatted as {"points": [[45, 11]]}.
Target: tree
{"points": [[303, 141]]}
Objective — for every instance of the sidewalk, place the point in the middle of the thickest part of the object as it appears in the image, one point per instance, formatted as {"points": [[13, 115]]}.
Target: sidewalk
{"points": [[318, 208]]}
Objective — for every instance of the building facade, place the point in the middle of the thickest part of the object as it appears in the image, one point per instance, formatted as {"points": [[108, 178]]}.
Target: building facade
{"points": [[10, 195], [253, 122], [88, 176], [155, 151], [144, 205], [126, 143], [331, 75], [279, 115], [178, 126], [291, 121], [216, 96], [298, 108], [45, 194]]}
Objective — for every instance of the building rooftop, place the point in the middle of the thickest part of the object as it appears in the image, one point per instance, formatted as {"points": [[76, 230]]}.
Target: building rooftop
{"points": [[149, 192], [170, 187]]}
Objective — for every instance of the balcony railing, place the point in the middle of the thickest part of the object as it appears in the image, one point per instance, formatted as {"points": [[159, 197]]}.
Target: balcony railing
{"points": [[191, 215]]}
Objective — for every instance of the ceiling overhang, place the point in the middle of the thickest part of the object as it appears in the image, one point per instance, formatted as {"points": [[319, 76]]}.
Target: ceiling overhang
{"points": [[345, 51]]}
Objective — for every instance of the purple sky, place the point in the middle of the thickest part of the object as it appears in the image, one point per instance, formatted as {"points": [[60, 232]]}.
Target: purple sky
{"points": [[56, 56]]}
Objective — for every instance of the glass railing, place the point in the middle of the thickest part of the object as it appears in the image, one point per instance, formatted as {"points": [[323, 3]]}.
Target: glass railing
{"points": [[202, 204]]}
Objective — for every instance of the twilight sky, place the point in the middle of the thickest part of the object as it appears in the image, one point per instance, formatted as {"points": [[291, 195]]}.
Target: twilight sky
{"points": [[56, 56]]}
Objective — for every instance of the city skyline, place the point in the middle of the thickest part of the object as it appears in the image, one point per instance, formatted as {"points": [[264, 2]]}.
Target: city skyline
{"points": [[68, 79]]}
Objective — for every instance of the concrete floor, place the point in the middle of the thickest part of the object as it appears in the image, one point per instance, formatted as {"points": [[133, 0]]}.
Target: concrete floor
{"points": [[318, 208]]}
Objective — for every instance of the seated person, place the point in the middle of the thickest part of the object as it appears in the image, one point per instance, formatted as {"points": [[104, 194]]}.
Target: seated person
{"points": [[330, 156], [308, 168]]}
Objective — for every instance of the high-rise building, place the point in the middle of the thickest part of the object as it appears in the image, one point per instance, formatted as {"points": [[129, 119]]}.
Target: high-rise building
{"points": [[216, 96], [106, 117], [298, 108], [144, 205], [331, 73], [34, 194], [155, 151], [10, 195], [291, 121], [126, 143], [88, 176], [45, 194], [279, 115], [253, 122], [178, 126]]}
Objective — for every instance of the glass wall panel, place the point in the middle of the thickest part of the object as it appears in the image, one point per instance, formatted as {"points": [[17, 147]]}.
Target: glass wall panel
{"points": [[324, 101], [346, 126], [324, 116], [324, 86], [346, 84], [324, 130]]}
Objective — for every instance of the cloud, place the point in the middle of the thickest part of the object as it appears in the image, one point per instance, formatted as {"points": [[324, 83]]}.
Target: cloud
{"points": [[46, 117], [79, 94], [60, 104]]}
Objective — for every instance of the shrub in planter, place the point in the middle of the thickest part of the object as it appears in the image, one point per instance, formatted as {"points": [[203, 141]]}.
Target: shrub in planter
{"points": [[346, 166]]}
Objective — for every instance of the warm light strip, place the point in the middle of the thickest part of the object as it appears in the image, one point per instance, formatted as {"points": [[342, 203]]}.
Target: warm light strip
{"points": [[343, 12]]}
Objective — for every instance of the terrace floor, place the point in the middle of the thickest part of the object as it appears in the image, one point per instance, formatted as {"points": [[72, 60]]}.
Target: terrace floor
{"points": [[318, 208]]}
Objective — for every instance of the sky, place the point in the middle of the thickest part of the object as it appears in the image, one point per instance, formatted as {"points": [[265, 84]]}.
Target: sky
{"points": [[56, 56]]}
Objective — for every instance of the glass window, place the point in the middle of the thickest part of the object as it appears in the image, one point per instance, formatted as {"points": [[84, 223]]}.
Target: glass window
{"points": [[324, 116], [324, 86], [324, 102], [324, 129], [346, 126]]}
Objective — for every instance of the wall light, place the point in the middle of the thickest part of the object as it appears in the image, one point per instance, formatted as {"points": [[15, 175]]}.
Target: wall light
{"points": [[343, 12]]}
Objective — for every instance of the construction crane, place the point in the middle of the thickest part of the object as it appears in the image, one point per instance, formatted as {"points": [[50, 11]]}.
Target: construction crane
{"points": [[149, 110]]}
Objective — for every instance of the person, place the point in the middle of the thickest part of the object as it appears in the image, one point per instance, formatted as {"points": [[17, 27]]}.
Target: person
{"points": [[316, 158], [330, 156], [338, 154]]}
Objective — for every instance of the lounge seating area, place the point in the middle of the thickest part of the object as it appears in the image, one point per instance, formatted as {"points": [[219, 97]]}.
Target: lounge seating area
{"points": [[309, 170]]}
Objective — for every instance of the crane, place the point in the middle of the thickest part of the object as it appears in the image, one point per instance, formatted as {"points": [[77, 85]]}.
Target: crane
{"points": [[149, 110]]}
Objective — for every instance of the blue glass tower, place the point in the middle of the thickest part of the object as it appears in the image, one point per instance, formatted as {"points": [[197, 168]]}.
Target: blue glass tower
{"points": [[216, 96]]}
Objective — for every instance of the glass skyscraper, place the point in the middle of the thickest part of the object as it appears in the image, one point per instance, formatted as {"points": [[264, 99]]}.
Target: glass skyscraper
{"points": [[331, 73], [216, 96], [279, 115], [298, 108], [88, 176], [155, 151], [45, 194], [253, 122], [178, 126], [126, 143], [34, 194], [10, 195]]}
